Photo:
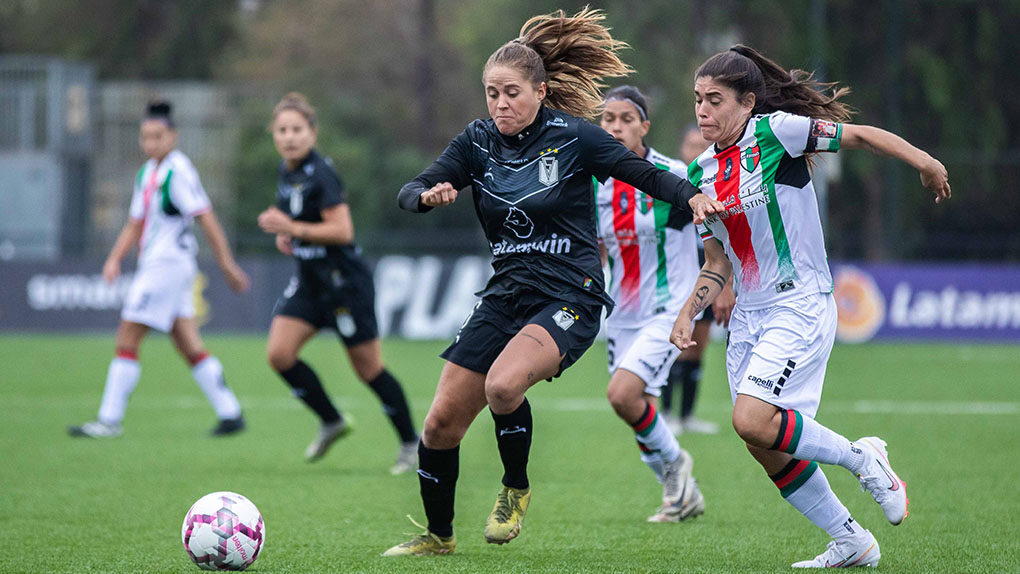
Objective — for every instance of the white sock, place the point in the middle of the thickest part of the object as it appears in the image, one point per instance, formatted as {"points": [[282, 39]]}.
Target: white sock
{"points": [[208, 374], [653, 432], [816, 501], [826, 446], [121, 379], [654, 462]]}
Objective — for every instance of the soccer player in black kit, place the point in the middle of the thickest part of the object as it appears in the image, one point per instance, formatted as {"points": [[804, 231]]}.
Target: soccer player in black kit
{"points": [[530, 169], [332, 288]]}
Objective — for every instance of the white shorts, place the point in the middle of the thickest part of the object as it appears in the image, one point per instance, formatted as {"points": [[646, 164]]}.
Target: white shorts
{"points": [[779, 354], [644, 351], [159, 294]]}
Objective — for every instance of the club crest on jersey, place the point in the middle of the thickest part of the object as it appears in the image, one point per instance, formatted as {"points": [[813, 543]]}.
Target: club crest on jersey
{"points": [[519, 223], [297, 201], [565, 318], [548, 170], [750, 157]]}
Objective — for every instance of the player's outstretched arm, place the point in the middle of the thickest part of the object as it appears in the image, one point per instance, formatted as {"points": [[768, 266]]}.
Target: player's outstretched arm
{"points": [[236, 278], [934, 176], [711, 281], [128, 237]]}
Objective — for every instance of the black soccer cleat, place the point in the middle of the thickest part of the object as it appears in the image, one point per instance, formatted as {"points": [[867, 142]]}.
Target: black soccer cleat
{"points": [[228, 427]]}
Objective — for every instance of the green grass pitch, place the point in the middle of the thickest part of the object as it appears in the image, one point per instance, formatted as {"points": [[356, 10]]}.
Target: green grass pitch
{"points": [[951, 415]]}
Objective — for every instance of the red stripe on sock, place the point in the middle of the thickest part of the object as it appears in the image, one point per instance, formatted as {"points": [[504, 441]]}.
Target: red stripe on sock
{"points": [[646, 421], [793, 473], [198, 358], [126, 354], [791, 424]]}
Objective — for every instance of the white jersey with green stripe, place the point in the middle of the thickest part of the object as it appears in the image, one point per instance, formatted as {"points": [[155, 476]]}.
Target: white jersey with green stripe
{"points": [[652, 248], [167, 196], [771, 230]]}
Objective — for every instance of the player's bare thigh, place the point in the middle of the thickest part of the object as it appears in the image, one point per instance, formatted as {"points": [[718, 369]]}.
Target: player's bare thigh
{"points": [[531, 356]]}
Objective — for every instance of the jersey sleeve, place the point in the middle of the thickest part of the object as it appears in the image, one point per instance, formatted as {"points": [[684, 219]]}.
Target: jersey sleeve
{"points": [[600, 152], [186, 191], [331, 186], [800, 135], [137, 209], [703, 231], [452, 166]]}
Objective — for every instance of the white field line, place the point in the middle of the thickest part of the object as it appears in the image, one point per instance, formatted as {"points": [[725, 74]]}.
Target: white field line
{"points": [[583, 405]]}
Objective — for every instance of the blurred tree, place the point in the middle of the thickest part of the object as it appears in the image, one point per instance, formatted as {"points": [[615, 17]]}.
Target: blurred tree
{"points": [[123, 38]]}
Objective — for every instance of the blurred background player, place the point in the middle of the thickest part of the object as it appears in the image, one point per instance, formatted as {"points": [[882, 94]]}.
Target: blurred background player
{"points": [[529, 166], [167, 196], [765, 230], [685, 373], [332, 288], [650, 249]]}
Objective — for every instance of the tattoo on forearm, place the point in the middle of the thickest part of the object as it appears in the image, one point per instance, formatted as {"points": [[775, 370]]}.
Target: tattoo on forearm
{"points": [[699, 300], [533, 338], [713, 276]]}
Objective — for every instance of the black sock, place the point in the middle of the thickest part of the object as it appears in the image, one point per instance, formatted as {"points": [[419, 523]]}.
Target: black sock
{"points": [[437, 477], [394, 405], [513, 435], [689, 384], [672, 380], [306, 386]]}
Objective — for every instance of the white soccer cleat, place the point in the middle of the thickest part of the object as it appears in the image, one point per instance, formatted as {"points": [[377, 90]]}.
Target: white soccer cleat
{"points": [[691, 504], [328, 434], [407, 458], [849, 552], [878, 478], [95, 429], [681, 498]]}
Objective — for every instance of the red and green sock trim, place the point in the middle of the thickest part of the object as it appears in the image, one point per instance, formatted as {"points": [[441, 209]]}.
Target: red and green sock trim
{"points": [[644, 425], [790, 428], [793, 476]]}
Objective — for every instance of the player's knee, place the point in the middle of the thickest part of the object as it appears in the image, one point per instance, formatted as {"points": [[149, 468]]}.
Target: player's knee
{"points": [[500, 392], [441, 431], [619, 399], [281, 360], [747, 427]]}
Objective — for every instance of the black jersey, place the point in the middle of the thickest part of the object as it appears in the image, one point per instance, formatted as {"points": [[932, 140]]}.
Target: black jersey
{"points": [[533, 196], [303, 193]]}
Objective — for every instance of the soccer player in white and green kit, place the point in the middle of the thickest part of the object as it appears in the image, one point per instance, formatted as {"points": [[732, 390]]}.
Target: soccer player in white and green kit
{"points": [[764, 228], [651, 250]]}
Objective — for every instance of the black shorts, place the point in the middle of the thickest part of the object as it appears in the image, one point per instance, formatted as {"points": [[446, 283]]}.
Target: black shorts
{"points": [[350, 310], [497, 318]]}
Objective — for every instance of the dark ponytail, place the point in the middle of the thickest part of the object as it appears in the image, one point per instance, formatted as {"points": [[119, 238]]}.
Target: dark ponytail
{"points": [[746, 71]]}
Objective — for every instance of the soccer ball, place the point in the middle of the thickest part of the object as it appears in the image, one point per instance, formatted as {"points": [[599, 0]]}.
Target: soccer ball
{"points": [[223, 531]]}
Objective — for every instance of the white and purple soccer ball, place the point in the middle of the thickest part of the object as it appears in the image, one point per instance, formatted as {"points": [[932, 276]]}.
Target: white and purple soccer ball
{"points": [[223, 531]]}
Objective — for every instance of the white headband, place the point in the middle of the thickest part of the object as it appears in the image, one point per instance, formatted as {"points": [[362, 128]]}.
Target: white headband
{"points": [[644, 117]]}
